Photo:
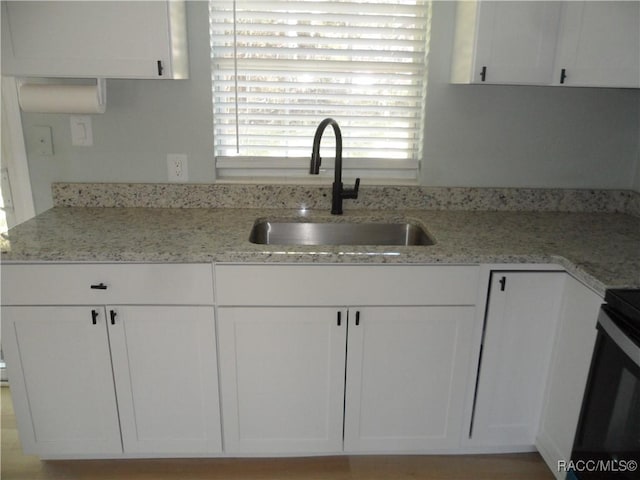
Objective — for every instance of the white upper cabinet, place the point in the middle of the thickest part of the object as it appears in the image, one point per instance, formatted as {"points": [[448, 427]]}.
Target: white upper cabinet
{"points": [[141, 39], [599, 45], [505, 42], [576, 43]]}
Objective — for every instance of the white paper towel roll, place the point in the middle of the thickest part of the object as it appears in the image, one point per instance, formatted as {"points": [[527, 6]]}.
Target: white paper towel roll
{"points": [[46, 98]]}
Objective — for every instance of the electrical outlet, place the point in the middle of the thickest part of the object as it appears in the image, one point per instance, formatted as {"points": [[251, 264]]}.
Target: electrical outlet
{"points": [[42, 140], [178, 169], [7, 196]]}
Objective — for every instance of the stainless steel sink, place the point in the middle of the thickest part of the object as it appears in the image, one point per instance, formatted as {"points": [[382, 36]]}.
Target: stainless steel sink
{"points": [[266, 232]]}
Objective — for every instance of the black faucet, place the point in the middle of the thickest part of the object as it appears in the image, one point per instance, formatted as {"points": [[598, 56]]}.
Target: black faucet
{"points": [[338, 193]]}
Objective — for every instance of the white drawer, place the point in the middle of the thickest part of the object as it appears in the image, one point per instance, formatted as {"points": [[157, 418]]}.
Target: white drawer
{"points": [[71, 284], [348, 285]]}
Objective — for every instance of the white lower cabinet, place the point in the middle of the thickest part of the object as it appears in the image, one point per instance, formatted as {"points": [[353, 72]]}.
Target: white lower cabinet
{"points": [[328, 378], [61, 380], [109, 380], [161, 359], [285, 383], [406, 378], [570, 361], [165, 371], [520, 325], [282, 379], [121, 360]]}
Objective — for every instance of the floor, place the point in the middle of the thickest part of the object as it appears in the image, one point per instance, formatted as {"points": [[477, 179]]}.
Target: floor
{"points": [[15, 466]]}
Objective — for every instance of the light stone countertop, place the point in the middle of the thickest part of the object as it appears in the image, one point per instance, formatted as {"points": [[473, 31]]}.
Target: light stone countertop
{"points": [[601, 249]]}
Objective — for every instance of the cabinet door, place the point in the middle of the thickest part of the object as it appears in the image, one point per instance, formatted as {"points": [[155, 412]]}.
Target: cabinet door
{"points": [[515, 42], [599, 44], [61, 380], [520, 327], [407, 374], [282, 379], [93, 39], [572, 350], [165, 368]]}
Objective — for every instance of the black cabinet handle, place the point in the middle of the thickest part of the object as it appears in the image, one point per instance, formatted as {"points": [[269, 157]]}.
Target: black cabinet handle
{"points": [[160, 68], [503, 283], [563, 75], [357, 318], [94, 316], [339, 318], [113, 314], [100, 286], [483, 74]]}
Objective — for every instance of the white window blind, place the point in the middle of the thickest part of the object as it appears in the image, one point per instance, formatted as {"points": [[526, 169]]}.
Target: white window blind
{"points": [[279, 67]]}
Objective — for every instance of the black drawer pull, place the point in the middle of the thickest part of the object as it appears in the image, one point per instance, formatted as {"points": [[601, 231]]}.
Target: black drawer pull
{"points": [[100, 286]]}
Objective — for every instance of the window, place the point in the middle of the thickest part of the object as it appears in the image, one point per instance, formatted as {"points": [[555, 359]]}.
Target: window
{"points": [[281, 66]]}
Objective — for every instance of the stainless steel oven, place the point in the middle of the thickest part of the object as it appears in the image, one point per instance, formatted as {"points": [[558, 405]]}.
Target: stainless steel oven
{"points": [[607, 441]]}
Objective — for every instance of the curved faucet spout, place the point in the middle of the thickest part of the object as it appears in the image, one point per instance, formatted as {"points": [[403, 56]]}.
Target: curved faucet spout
{"points": [[314, 168], [338, 192]]}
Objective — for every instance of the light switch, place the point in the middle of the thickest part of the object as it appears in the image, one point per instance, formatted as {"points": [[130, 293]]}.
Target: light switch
{"points": [[81, 130]]}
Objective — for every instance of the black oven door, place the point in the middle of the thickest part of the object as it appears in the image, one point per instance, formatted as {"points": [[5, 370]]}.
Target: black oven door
{"points": [[607, 442]]}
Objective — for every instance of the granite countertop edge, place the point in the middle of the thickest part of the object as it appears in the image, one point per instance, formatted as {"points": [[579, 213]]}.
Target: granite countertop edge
{"points": [[601, 250]]}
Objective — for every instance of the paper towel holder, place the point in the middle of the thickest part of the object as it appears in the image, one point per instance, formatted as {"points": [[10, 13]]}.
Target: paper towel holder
{"points": [[58, 97]]}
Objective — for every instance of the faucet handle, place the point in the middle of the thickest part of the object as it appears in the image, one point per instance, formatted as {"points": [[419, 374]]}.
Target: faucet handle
{"points": [[352, 193]]}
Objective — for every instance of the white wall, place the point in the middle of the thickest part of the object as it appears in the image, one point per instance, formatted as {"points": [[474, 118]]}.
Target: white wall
{"points": [[475, 135]]}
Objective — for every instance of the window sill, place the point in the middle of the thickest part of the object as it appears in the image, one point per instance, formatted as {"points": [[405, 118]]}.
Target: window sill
{"points": [[322, 180]]}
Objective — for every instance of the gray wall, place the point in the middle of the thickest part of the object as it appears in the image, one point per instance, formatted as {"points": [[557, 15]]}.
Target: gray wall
{"points": [[475, 135], [487, 135], [145, 120]]}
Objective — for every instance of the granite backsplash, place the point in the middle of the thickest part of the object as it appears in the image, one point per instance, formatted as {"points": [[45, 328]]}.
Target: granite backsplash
{"points": [[180, 195]]}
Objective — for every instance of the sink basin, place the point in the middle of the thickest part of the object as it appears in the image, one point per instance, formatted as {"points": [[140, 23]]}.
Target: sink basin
{"points": [[267, 232]]}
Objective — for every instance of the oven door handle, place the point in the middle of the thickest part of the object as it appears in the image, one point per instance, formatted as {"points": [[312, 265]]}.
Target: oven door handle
{"points": [[622, 340]]}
